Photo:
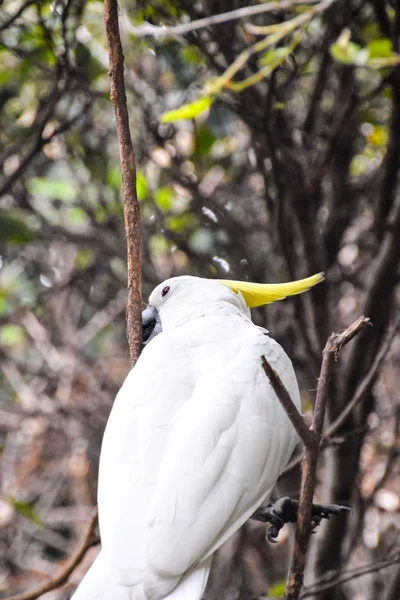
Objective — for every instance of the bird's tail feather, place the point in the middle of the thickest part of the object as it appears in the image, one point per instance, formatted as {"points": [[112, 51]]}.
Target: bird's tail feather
{"points": [[192, 585], [97, 584]]}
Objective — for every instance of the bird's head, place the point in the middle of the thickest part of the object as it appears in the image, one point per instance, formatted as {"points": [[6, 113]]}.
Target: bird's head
{"points": [[180, 299]]}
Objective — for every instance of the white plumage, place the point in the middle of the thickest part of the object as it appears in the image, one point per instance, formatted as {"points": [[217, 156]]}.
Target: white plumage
{"points": [[194, 445]]}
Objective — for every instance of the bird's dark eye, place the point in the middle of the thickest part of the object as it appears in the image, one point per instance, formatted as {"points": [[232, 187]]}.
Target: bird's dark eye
{"points": [[165, 291]]}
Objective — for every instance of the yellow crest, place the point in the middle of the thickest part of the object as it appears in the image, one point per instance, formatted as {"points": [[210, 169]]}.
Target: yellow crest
{"points": [[258, 294]]}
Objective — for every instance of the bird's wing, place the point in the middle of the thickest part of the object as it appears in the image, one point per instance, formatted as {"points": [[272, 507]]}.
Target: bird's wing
{"points": [[132, 450], [224, 452]]}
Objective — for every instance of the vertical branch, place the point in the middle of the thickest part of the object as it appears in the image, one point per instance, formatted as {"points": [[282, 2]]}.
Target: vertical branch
{"points": [[311, 439], [131, 204], [133, 239]]}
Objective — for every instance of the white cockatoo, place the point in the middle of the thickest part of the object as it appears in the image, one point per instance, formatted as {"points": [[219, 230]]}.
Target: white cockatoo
{"points": [[195, 442]]}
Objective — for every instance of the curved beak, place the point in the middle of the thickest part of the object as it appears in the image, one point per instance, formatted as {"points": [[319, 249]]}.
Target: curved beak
{"points": [[151, 324]]}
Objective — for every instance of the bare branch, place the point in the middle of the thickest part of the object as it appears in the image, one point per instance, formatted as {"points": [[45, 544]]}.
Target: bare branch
{"points": [[338, 340], [240, 13], [89, 540], [100, 320], [358, 396], [306, 436], [131, 205], [365, 383], [16, 15], [333, 346], [39, 145], [311, 439], [339, 578]]}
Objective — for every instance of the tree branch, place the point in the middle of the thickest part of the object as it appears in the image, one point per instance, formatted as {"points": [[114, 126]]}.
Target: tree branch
{"points": [[16, 15], [364, 385], [88, 540], [247, 11], [131, 205], [349, 575], [311, 439], [305, 434], [133, 235]]}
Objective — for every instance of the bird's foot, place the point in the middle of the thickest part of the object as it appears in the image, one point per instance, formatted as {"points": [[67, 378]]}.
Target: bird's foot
{"points": [[285, 510]]}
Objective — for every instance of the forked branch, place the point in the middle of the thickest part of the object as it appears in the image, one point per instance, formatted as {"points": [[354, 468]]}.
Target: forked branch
{"points": [[311, 438]]}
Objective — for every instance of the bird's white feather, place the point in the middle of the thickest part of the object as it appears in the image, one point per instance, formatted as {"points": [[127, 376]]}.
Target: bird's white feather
{"points": [[224, 452], [195, 443]]}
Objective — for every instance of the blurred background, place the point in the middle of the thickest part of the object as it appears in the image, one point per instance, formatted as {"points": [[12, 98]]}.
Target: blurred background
{"points": [[282, 177]]}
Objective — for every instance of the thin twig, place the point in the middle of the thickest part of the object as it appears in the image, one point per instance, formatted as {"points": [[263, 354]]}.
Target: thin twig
{"points": [[365, 383], [40, 143], [338, 340], [100, 319], [131, 204], [349, 575], [311, 439], [358, 396], [240, 13], [16, 15], [88, 540], [306, 436]]}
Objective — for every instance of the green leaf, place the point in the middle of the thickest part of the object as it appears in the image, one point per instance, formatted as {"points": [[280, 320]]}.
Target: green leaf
{"points": [[371, 31], [188, 111], [358, 166], [381, 48], [163, 197], [277, 590], [60, 190], [204, 141], [84, 258], [3, 306], [349, 54], [158, 244], [192, 55], [277, 54], [100, 214], [377, 55], [181, 223], [142, 188], [114, 177], [26, 509], [76, 215], [14, 231], [11, 335], [379, 136]]}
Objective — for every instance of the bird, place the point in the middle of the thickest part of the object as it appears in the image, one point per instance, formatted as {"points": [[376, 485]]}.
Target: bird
{"points": [[195, 441]]}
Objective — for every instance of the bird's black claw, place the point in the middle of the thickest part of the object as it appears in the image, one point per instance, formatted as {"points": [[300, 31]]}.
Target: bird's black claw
{"points": [[272, 534], [322, 511], [285, 510]]}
